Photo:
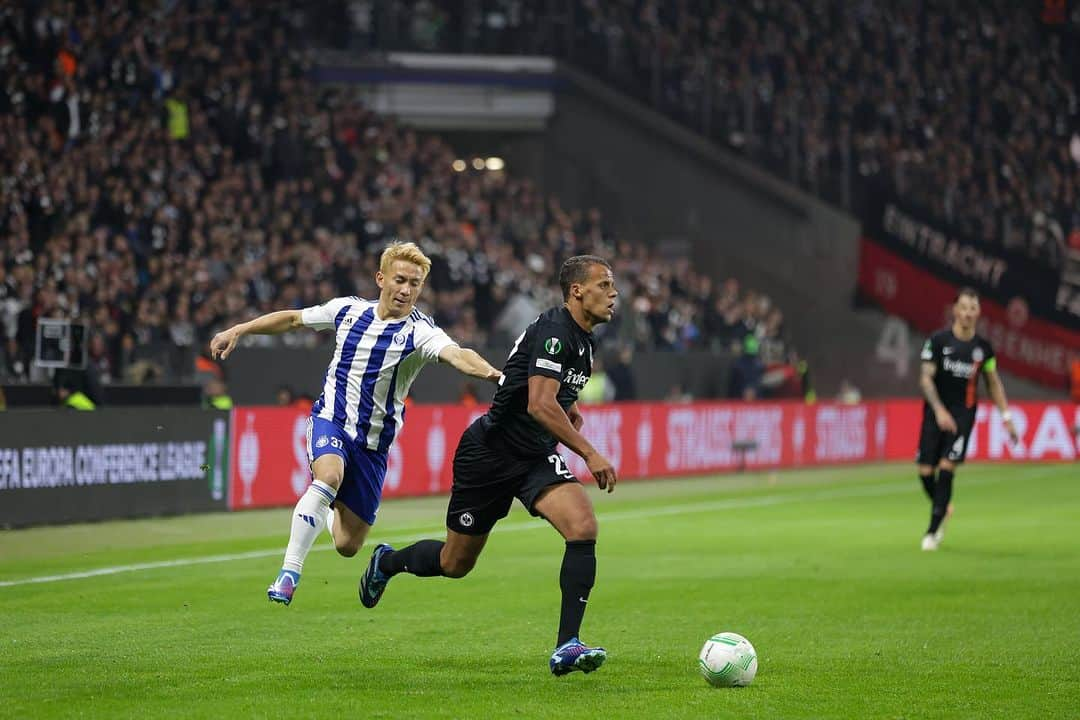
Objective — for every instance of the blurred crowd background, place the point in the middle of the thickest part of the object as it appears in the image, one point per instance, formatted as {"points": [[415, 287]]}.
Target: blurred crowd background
{"points": [[168, 172], [165, 176], [969, 112]]}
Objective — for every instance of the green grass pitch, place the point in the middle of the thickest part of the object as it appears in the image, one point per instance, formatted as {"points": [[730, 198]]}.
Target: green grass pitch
{"points": [[820, 569]]}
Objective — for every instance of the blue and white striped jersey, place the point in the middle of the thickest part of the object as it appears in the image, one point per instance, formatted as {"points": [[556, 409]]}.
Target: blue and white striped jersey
{"points": [[375, 362]]}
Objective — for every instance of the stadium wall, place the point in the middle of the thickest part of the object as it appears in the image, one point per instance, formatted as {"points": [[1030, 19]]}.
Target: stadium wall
{"points": [[59, 466], [63, 467], [647, 440]]}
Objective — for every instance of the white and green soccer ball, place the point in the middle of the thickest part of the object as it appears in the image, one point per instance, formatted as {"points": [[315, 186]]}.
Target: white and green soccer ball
{"points": [[728, 660]]}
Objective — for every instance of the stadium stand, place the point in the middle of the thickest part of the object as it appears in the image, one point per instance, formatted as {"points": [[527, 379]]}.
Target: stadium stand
{"points": [[168, 174], [970, 114]]}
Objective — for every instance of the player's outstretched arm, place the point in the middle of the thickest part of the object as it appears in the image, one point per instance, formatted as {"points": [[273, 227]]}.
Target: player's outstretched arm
{"points": [[545, 409], [469, 362], [269, 324], [997, 394]]}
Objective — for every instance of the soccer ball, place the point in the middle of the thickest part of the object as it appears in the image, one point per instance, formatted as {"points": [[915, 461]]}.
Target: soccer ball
{"points": [[728, 660]]}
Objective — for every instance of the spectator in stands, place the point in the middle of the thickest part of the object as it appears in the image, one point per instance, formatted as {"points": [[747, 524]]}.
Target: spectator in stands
{"points": [[468, 397], [849, 394], [599, 388], [167, 175], [621, 375], [70, 395], [746, 372], [678, 394], [99, 361], [966, 113], [285, 396], [216, 396]]}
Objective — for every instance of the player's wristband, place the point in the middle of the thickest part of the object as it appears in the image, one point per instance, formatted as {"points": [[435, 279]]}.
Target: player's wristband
{"points": [[1006, 416]]}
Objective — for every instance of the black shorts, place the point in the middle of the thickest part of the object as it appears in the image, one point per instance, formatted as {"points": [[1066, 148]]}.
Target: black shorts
{"points": [[935, 444], [487, 478]]}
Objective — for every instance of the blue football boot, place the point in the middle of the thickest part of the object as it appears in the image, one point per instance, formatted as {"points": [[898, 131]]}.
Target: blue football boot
{"points": [[374, 580], [283, 588], [575, 655]]}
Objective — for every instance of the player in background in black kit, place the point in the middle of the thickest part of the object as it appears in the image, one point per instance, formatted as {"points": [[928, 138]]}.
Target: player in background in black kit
{"points": [[952, 362], [510, 452]]}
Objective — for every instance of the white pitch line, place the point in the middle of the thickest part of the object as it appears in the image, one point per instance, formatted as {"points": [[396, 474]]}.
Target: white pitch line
{"points": [[615, 515], [206, 559]]}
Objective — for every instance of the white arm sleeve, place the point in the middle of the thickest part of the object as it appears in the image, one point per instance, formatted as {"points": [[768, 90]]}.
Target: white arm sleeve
{"points": [[321, 317], [430, 341]]}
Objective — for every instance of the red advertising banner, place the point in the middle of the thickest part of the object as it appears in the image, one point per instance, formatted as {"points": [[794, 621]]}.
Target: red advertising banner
{"points": [[269, 454], [647, 440], [1025, 344], [1048, 432], [270, 467]]}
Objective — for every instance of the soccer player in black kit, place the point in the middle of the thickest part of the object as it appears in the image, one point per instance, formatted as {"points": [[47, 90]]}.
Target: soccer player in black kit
{"points": [[952, 360], [510, 452]]}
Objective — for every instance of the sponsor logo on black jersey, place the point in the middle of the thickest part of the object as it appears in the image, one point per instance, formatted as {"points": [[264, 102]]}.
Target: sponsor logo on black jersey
{"points": [[576, 378], [959, 368]]}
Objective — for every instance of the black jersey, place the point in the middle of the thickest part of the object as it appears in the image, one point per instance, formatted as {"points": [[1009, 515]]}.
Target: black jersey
{"points": [[959, 364], [554, 346]]}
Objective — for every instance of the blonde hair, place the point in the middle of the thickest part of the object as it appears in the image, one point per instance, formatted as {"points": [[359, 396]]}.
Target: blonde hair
{"points": [[409, 252]]}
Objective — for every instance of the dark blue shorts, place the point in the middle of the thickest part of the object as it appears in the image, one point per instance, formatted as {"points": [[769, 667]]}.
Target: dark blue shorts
{"points": [[365, 470]]}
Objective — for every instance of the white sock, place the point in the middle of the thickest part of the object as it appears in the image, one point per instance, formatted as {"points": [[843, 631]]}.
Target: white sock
{"points": [[330, 523], [308, 520]]}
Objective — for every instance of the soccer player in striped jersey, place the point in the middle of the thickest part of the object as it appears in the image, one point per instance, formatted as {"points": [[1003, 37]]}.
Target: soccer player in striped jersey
{"points": [[381, 346]]}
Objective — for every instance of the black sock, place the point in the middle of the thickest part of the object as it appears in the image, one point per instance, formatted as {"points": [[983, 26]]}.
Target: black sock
{"points": [[576, 580], [420, 559], [928, 485], [942, 496]]}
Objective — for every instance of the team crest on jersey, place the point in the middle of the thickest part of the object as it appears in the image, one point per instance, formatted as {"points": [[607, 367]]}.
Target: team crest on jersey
{"points": [[399, 339], [977, 355], [553, 346]]}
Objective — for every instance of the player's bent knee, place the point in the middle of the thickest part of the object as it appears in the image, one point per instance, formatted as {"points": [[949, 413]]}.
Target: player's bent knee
{"points": [[329, 469], [333, 479], [458, 568], [585, 528], [348, 548]]}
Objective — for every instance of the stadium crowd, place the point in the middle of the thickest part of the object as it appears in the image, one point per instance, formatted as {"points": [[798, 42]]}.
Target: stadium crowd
{"points": [[167, 174], [967, 112]]}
